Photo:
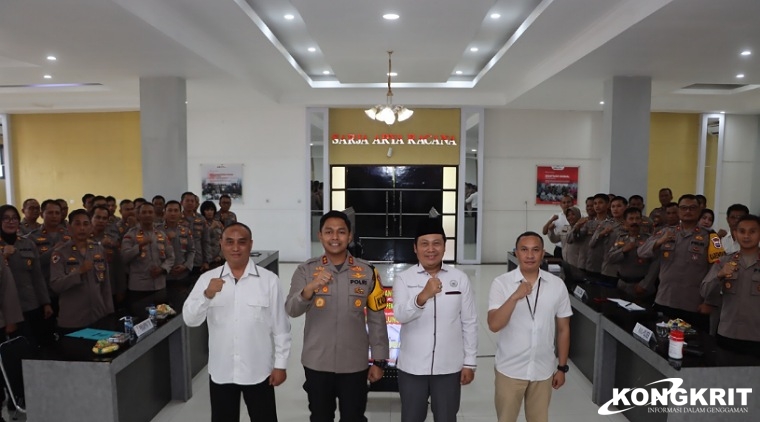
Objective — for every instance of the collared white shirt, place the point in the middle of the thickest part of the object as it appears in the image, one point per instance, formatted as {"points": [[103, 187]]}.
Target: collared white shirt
{"points": [[525, 348], [440, 337], [729, 244], [561, 225], [249, 331]]}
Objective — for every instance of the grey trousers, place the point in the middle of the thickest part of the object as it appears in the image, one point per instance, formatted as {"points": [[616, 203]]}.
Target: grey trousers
{"points": [[443, 390]]}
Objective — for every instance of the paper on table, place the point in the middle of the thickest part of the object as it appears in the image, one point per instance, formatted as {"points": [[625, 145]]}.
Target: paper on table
{"points": [[630, 306]]}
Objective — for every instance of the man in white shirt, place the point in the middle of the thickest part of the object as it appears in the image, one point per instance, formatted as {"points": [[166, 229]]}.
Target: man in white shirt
{"points": [[249, 331], [527, 307], [435, 305], [733, 214], [559, 224]]}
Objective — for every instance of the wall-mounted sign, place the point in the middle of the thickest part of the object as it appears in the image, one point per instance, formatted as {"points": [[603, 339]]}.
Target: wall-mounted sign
{"points": [[393, 139], [554, 182], [221, 179]]}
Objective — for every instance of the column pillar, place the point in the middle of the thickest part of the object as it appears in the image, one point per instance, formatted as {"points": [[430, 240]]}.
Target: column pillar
{"points": [[627, 108], [163, 127]]}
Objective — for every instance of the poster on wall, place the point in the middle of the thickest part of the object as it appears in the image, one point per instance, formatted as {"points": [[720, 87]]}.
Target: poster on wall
{"points": [[221, 179], [554, 182]]}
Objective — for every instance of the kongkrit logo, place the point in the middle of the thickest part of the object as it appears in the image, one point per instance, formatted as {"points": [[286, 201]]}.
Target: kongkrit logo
{"points": [[674, 396]]}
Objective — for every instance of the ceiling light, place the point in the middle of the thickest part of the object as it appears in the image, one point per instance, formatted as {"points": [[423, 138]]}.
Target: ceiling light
{"points": [[312, 49], [289, 17], [601, 102], [52, 58], [325, 72], [495, 16], [746, 53], [389, 113], [722, 112], [474, 150], [458, 72], [739, 76], [391, 74], [473, 49], [47, 76], [390, 16]]}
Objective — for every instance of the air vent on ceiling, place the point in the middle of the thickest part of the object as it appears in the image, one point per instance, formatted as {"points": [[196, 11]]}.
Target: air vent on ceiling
{"points": [[716, 89]]}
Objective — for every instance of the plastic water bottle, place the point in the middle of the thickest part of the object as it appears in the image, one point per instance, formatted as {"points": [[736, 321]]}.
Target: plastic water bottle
{"points": [[152, 314], [128, 326], [675, 347]]}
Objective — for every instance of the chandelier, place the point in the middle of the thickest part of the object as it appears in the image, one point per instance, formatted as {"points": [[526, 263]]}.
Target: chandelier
{"points": [[389, 113]]}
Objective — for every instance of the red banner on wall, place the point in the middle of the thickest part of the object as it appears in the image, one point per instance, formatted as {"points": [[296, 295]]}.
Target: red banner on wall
{"points": [[554, 182]]}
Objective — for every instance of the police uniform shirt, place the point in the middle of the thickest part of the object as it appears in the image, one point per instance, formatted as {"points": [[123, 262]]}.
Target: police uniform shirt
{"points": [[578, 239], [26, 227], [683, 264], [181, 239], [200, 237], [112, 247], [609, 268], [336, 338], [46, 241], [121, 229], [631, 267], [569, 250], [595, 251], [738, 296], [25, 266], [228, 218], [10, 308], [83, 297], [140, 259], [215, 229]]}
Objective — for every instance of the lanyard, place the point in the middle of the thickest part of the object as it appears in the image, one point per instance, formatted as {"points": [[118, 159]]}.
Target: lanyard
{"points": [[535, 302]]}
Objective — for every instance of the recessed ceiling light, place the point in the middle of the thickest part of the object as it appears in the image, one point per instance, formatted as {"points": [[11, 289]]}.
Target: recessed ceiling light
{"points": [[495, 16], [325, 72], [746, 53], [458, 72], [391, 74], [312, 49], [47, 76], [289, 17], [739, 76], [311, 144], [601, 102], [722, 112], [474, 49], [474, 150], [52, 58], [390, 16]]}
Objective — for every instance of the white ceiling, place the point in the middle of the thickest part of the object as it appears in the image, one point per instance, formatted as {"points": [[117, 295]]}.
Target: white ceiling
{"points": [[550, 54]]}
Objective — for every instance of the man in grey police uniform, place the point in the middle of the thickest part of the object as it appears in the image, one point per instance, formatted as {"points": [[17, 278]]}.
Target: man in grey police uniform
{"points": [[181, 238], [595, 253], [734, 284], [148, 253], [685, 252], [333, 291], [31, 211], [633, 271], [195, 221]]}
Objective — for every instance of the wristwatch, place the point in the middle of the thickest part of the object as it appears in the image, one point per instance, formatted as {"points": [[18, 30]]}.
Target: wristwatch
{"points": [[382, 363], [563, 368]]}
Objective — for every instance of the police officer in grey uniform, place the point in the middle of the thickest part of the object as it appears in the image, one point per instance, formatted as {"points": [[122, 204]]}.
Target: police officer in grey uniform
{"points": [[79, 274], [595, 253], [31, 210], [105, 235], [148, 254], [195, 222], [128, 218], [632, 270], [333, 291], [734, 284], [181, 239], [685, 252], [50, 235], [605, 236], [24, 262]]}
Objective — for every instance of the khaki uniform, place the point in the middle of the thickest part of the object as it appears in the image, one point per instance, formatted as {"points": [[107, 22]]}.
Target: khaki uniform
{"points": [[632, 269], [46, 242], [579, 238], [26, 227], [647, 225], [228, 218], [335, 334], [140, 259], [197, 224], [609, 268], [738, 297], [25, 266], [683, 264], [215, 229], [594, 256], [10, 308], [83, 298], [110, 242], [181, 239]]}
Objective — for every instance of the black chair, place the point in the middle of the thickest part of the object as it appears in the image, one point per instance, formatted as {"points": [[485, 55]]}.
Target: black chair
{"points": [[12, 352]]}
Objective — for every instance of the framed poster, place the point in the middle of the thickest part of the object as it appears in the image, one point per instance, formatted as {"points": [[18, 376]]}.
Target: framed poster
{"points": [[554, 182], [221, 179]]}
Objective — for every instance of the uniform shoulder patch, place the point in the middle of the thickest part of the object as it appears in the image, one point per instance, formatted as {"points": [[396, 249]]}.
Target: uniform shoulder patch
{"points": [[56, 258]]}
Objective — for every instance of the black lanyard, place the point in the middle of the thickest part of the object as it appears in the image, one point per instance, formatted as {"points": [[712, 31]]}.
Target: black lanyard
{"points": [[535, 302]]}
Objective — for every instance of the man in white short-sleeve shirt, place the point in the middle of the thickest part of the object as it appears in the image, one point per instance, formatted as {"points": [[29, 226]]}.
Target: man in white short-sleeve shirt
{"points": [[528, 307]]}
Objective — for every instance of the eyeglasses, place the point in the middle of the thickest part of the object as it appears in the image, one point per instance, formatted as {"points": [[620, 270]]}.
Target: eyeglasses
{"points": [[10, 220], [688, 207]]}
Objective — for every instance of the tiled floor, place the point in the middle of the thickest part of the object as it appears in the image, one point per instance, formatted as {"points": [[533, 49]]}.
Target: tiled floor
{"points": [[570, 403]]}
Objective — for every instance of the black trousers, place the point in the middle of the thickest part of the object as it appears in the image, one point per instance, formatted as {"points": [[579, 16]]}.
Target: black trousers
{"points": [[225, 401], [322, 388]]}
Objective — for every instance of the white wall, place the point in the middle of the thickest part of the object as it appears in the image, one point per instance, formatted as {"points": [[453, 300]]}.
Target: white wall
{"points": [[271, 142], [516, 141], [739, 174]]}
